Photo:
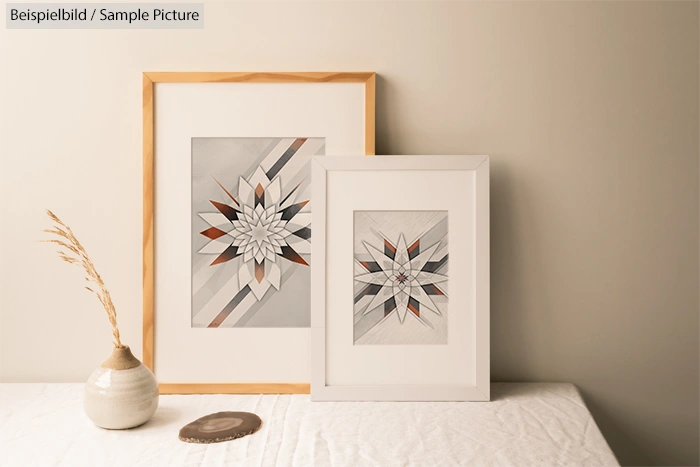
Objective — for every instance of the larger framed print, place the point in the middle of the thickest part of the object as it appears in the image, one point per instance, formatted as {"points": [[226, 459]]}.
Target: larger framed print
{"points": [[400, 303], [228, 221]]}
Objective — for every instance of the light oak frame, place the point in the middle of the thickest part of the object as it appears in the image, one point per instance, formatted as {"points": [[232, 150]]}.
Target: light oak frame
{"points": [[149, 81]]}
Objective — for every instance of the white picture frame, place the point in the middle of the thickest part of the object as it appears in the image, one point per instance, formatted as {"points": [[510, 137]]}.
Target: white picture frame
{"points": [[456, 371]]}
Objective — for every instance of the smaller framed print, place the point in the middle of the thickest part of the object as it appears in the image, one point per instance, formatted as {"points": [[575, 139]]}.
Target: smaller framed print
{"points": [[400, 282], [400, 271]]}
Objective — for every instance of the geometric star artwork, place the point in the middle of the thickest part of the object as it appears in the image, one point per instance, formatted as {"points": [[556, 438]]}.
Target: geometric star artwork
{"points": [[400, 277], [251, 231]]}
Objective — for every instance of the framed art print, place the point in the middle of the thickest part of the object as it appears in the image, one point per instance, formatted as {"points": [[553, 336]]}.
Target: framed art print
{"points": [[400, 302], [251, 250], [228, 221]]}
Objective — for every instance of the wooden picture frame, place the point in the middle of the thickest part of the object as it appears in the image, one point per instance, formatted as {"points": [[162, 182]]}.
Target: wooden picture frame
{"points": [[150, 80], [456, 187]]}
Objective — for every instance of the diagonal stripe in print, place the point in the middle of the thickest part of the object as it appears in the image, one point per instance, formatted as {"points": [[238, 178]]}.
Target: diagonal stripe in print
{"points": [[226, 191], [291, 193], [235, 301], [433, 266], [274, 170], [371, 289], [299, 167]]}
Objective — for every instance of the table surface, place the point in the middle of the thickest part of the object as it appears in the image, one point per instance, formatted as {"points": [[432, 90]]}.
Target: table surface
{"points": [[525, 424]]}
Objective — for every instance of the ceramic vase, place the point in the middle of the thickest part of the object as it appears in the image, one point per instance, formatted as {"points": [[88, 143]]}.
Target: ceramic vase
{"points": [[122, 393]]}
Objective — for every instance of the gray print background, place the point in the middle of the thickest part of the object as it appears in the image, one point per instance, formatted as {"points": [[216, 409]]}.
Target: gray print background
{"points": [[224, 160]]}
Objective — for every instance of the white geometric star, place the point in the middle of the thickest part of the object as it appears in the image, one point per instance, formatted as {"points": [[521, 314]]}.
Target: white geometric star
{"points": [[258, 230], [402, 278]]}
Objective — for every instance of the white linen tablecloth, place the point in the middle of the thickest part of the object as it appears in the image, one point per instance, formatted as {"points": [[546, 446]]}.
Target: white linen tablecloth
{"points": [[525, 424]]}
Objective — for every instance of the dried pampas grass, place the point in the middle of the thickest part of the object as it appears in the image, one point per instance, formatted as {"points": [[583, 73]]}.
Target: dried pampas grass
{"points": [[74, 253]]}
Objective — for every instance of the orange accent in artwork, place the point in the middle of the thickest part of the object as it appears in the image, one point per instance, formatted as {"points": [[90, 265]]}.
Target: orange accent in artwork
{"points": [[298, 143], [289, 253], [259, 191], [218, 320], [413, 247], [227, 192], [213, 233], [259, 270], [389, 246], [225, 209], [228, 254], [438, 291], [414, 310], [365, 264]]}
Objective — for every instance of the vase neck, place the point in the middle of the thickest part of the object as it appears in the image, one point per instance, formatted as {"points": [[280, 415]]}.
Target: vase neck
{"points": [[121, 359]]}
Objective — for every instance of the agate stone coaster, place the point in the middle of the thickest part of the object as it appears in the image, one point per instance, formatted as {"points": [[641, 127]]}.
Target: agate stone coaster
{"points": [[219, 427]]}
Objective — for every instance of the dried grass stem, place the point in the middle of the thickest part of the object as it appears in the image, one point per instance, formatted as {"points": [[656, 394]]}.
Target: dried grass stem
{"points": [[74, 253]]}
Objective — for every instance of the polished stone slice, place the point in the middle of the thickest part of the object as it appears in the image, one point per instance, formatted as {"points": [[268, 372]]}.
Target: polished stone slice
{"points": [[220, 426]]}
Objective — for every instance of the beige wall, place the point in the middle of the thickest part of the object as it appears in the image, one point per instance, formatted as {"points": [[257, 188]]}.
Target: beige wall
{"points": [[590, 114]]}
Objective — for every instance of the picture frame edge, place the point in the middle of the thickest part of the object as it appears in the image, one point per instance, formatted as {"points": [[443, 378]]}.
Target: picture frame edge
{"points": [[148, 276], [480, 165], [234, 388]]}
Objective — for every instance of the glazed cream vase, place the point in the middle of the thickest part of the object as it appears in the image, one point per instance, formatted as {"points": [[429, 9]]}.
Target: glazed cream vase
{"points": [[122, 393]]}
